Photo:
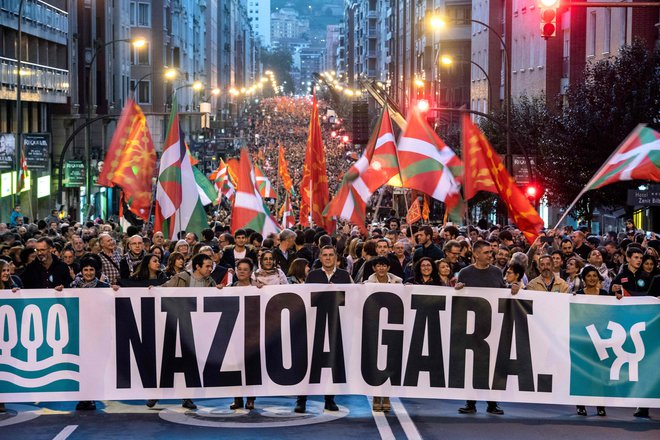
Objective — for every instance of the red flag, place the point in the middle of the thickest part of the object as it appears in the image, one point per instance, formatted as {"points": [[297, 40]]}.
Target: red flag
{"points": [[131, 160], [283, 171], [426, 210], [414, 213], [485, 171], [314, 192]]}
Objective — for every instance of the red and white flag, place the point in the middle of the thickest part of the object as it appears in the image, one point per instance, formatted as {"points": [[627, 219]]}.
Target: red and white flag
{"points": [[374, 169]]}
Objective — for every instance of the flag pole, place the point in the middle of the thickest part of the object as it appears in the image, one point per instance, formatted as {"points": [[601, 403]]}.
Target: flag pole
{"points": [[277, 183], [593, 178]]}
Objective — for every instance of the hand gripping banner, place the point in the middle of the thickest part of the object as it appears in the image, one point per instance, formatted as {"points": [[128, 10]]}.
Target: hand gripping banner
{"points": [[378, 339]]}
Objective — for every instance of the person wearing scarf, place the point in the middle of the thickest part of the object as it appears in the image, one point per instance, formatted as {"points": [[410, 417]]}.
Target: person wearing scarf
{"points": [[268, 274], [133, 257]]}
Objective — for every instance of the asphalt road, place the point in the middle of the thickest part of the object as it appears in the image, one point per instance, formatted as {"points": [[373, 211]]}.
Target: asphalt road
{"points": [[273, 418]]}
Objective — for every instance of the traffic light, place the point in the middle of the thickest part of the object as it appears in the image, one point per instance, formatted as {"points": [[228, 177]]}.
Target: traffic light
{"points": [[548, 10], [533, 192], [423, 105]]}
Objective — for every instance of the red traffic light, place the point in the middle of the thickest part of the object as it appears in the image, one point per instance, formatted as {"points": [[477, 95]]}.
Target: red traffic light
{"points": [[422, 105], [531, 192], [548, 14]]}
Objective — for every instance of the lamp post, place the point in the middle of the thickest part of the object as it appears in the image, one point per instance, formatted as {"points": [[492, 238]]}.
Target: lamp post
{"points": [[169, 74], [138, 43], [446, 60], [19, 105], [438, 22]]}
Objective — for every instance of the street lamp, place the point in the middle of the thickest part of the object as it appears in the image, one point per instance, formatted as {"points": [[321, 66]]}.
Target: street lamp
{"points": [[440, 23], [135, 42], [447, 60], [168, 74]]}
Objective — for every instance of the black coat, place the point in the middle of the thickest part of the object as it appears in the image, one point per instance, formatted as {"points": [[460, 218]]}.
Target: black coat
{"points": [[318, 276], [284, 262], [36, 276], [229, 261]]}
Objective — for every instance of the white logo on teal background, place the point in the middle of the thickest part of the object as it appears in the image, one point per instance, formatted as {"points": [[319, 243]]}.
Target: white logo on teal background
{"points": [[615, 342], [39, 345], [614, 350]]}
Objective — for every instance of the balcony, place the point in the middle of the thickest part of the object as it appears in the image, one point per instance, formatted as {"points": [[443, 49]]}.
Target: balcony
{"points": [[372, 32], [40, 19], [40, 83]]}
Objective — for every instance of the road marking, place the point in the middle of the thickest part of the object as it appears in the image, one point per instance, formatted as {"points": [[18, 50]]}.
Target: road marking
{"points": [[66, 432], [384, 428], [406, 422]]}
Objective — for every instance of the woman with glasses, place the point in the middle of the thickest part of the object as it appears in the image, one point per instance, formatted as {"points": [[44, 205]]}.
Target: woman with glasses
{"points": [[425, 272]]}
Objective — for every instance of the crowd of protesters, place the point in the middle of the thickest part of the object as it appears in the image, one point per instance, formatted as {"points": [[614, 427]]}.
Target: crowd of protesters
{"points": [[285, 121], [55, 254]]}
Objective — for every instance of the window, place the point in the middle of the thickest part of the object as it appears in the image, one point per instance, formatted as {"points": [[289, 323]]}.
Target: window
{"points": [[143, 14], [141, 55], [131, 11], [608, 30], [591, 33], [143, 92]]}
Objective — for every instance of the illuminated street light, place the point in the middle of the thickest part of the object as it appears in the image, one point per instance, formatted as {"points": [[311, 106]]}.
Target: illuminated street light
{"points": [[446, 60]]}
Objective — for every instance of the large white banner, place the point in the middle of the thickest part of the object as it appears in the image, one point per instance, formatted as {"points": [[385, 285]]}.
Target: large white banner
{"points": [[378, 339]]}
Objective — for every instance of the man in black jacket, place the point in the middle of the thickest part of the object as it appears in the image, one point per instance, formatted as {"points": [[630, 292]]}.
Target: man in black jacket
{"points": [[427, 248], [329, 273], [284, 254], [46, 271], [239, 250], [383, 250]]}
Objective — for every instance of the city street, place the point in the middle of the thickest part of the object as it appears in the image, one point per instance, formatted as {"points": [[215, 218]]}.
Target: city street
{"points": [[274, 418]]}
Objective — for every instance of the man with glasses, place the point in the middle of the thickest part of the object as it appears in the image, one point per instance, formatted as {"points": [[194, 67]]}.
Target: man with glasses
{"points": [[46, 271], [480, 274], [452, 250], [133, 257]]}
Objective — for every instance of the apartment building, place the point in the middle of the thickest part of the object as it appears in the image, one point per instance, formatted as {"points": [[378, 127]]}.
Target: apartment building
{"points": [[46, 84]]}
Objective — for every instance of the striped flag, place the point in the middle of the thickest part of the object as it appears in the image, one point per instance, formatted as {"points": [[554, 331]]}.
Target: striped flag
{"points": [[286, 213], [249, 210], [637, 158], [177, 176], [427, 164], [223, 182], [263, 184], [374, 169]]}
